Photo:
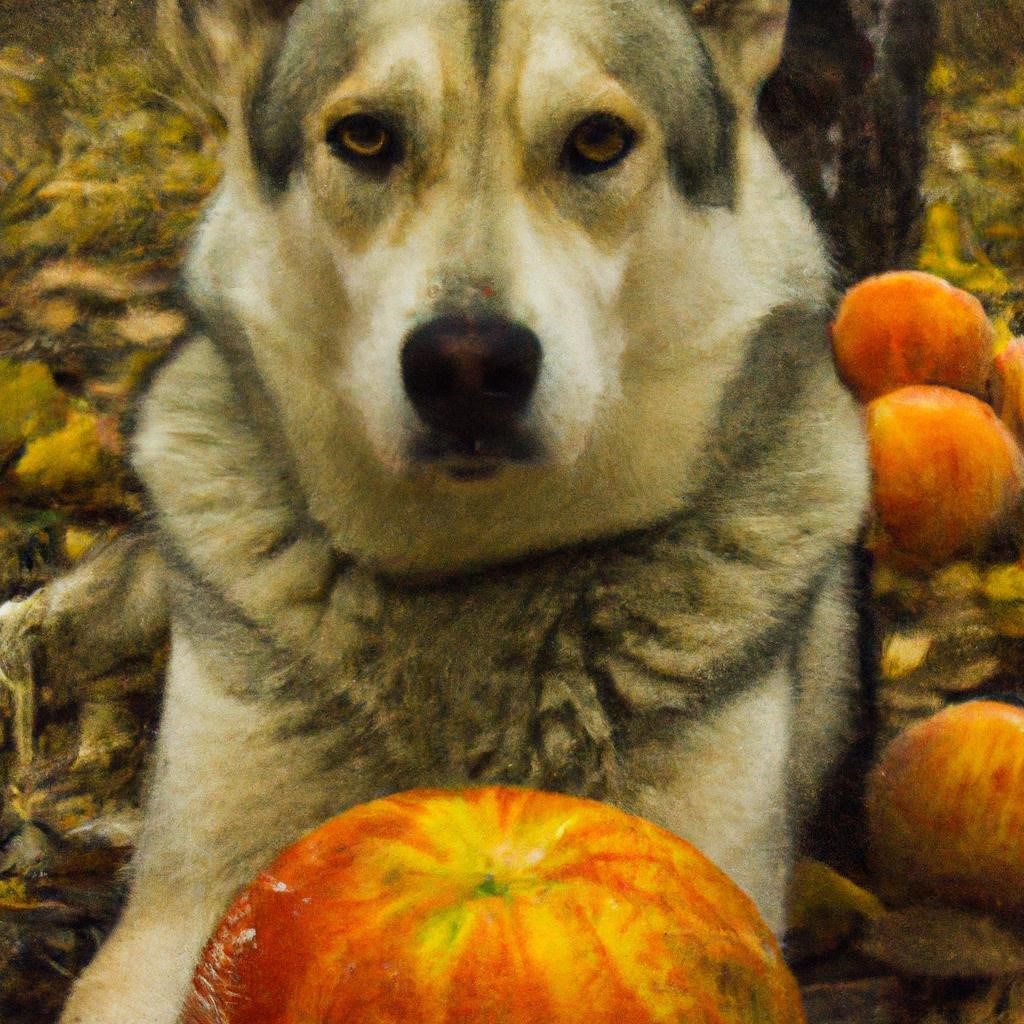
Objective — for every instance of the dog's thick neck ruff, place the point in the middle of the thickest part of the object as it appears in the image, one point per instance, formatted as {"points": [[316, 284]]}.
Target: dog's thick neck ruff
{"points": [[671, 618], [702, 469]]}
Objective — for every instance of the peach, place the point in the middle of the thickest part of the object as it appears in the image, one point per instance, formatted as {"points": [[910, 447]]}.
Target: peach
{"points": [[946, 810], [908, 327], [946, 473], [1008, 386]]}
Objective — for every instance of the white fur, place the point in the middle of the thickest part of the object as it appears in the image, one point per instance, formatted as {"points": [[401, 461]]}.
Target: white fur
{"points": [[182, 879], [724, 786], [621, 443]]}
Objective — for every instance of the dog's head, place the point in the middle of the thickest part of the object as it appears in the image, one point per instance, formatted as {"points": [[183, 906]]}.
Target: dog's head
{"points": [[493, 257]]}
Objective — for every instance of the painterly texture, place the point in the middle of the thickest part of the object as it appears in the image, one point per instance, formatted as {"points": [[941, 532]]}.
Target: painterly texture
{"points": [[491, 906]]}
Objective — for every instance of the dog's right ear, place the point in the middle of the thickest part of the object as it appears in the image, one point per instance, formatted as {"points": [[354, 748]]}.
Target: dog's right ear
{"points": [[220, 45], [745, 37]]}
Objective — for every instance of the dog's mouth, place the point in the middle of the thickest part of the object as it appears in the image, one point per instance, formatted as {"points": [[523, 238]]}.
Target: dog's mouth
{"points": [[466, 460]]}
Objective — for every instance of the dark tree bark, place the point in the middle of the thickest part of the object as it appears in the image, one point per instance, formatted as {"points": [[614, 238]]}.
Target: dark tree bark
{"points": [[846, 112]]}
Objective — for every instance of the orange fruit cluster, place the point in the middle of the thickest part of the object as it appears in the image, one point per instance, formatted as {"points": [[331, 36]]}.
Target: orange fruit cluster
{"points": [[947, 471]]}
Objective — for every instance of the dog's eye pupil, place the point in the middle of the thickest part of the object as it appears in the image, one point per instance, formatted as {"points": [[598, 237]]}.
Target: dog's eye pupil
{"points": [[362, 138], [598, 143]]}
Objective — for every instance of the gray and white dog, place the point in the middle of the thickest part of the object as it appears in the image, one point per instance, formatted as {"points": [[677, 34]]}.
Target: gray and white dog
{"points": [[511, 450]]}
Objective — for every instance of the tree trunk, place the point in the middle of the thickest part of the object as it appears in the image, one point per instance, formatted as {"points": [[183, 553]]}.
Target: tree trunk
{"points": [[845, 112]]}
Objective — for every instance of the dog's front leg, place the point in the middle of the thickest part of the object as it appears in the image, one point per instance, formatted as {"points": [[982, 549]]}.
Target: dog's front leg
{"points": [[724, 786], [140, 974], [227, 793], [740, 782]]}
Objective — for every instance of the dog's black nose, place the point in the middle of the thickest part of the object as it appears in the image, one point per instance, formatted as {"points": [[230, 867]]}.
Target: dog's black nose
{"points": [[471, 377]]}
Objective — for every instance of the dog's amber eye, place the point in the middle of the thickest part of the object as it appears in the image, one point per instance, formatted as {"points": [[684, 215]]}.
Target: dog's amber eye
{"points": [[363, 139], [597, 143]]}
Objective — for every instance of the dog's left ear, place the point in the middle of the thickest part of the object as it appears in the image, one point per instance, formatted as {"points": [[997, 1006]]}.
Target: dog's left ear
{"points": [[745, 38]]}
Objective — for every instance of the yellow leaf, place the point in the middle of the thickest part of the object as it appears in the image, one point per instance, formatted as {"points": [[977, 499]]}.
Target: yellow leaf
{"points": [[902, 653], [1002, 333], [13, 893], [956, 580], [942, 77], [78, 541], [942, 233], [942, 254], [69, 459], [826, 907], [1004, 583], [30, 403], [981, 278]]}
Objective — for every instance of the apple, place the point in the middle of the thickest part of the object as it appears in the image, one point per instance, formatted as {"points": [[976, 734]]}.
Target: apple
{"points": [[908, 327], [945, 806], [491, 905], [946, 473]]}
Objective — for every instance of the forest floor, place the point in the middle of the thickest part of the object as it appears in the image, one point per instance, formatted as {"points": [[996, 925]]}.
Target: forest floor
{"points": [[102, 174]]}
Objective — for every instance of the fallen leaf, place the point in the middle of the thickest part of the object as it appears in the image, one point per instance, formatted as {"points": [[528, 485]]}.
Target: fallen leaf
{"points": [[88, 280], [54, 315], [957, 580], [867, 1001], [151, 327], [69, 459], [77, 541], [826, 908], [902, 653], [30, 404], [944, 942], [1004, 583], [942, 254]]}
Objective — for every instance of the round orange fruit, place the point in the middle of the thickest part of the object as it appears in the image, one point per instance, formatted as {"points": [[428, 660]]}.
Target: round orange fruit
{"points": [[908, 327], [1008, 386], [946, 809], [946, 473], [491, 906]]}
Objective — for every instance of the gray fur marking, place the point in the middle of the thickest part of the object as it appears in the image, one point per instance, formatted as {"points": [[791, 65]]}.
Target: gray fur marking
{"points": [[317, 51], [661, 56], [574, 656], [485, 22], [657, 50], [187, 9]]}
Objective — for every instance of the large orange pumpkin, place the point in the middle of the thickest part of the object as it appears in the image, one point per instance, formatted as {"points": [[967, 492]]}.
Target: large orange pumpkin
{"points": [[491, 906]]}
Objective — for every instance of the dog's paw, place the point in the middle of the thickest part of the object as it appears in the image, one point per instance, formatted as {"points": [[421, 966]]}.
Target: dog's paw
{"points": [[20, 621], [106, 1000], [20, 624]]}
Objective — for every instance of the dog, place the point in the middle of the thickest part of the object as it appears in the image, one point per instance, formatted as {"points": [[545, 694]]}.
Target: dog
{"points": [[508, 448]]}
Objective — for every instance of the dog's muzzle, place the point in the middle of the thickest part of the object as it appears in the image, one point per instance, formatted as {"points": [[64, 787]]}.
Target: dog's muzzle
{"points": [[470, 381]]}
